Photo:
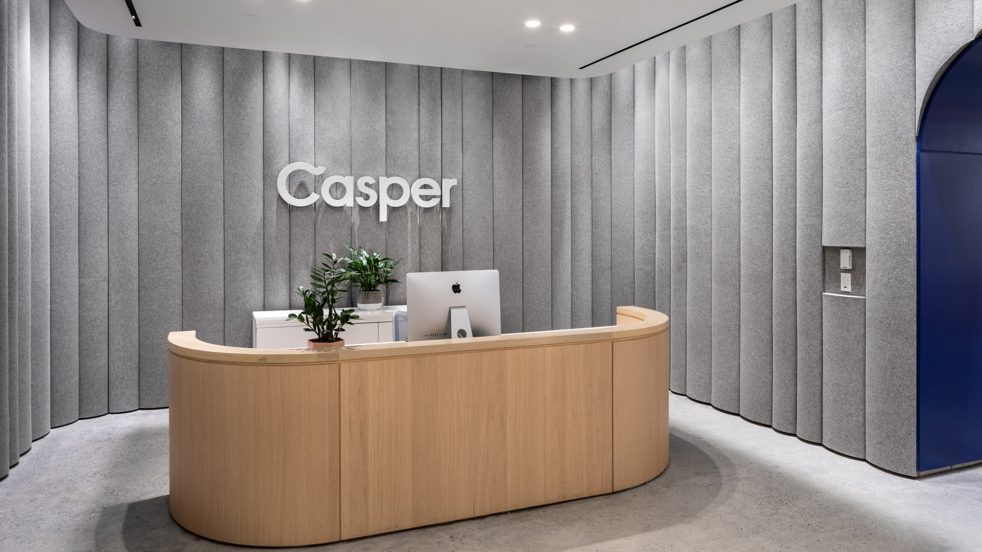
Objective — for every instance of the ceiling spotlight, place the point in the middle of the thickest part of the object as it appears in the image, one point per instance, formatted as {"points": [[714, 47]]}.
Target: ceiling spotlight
{"points": [[533, 23], [567, 28]]}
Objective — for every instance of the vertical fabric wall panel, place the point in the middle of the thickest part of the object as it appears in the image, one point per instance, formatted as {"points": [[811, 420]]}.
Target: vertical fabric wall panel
{"points": [[663, 187], [843, 411], [159, 214], [581, 211], [8, 440], [332, 150], [93, 225], [561, 206], [891, 237], [810, 263], [451, 159], [430, 149], [644, 184], [785, 387], [302, 254], [536, 204], [507, 158], [699, 220], [243, 192], [477, 185], [978, 16], [677, 88], [276, 155], [40, 392], [64, 215], [22, 152], [601, 201], [367, 145], [402, 159], [622, 188], [941, 27], [725, 354], [844, 123], [202, 201], [124, 276], [756, 221]]}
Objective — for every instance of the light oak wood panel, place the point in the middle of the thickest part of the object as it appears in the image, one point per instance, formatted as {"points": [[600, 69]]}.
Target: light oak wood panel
{"points": [[428, 440], [254, 452], [640, 374]]}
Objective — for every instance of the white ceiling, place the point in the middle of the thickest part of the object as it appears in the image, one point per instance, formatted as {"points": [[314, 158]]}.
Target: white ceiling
{"points": [[487, 35]]}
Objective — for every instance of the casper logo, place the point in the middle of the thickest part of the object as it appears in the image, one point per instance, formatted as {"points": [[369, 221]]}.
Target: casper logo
{"points": [[425, 192]]}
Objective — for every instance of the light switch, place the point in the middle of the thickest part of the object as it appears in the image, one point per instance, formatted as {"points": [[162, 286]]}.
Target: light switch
{"points": [[845, 282], [845, 259]]}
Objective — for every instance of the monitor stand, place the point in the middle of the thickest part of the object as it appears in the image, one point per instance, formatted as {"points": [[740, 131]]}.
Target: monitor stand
{"points": [[460, 323]]}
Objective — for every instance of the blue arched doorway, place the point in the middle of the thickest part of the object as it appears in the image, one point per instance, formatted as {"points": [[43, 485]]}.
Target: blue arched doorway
{"points": [[949, 312]]}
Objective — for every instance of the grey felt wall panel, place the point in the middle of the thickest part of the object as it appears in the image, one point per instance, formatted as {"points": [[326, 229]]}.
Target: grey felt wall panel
{"points": [[844, 374], [452, 158], [622, 188], [8, 439], [581, 212], [430, 128], [202, 201], [941, 28], [124, 277], [64, 215], [699, 220], [402, 159], [601, 201], [22, 150], [677, 99], [332, 150], [561, 206], [810, 264], [93, 225], [891, 238], [536, 204], [663, 187], [243, 192], [302, 253], [40, 391], [756, 222], [644, 184], [978, 15], [159, 213], [276, 155], [726, 221], [785, 387], [844, 123], [507, 158], [367, 145], [477, 185]]}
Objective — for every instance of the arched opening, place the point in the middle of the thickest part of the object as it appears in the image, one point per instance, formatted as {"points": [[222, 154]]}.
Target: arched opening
{"points": [[949, 310]]}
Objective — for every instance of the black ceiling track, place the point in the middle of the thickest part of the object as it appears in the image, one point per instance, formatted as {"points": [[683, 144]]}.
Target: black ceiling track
{"points": [[652, 37], [133, 15]]}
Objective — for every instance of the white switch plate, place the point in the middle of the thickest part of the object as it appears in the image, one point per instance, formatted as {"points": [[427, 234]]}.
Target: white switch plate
{"points": [[845, 259], [845, 282]]}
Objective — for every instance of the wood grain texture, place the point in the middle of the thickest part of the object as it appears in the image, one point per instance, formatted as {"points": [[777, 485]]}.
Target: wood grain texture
{"points": [[254, 452]]}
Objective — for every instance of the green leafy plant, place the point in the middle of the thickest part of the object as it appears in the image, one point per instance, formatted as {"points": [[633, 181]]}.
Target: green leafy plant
{"points": [[369, 269], [320, 314]]}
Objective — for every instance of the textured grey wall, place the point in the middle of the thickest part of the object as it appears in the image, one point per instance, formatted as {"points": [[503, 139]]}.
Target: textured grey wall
{"points": [[137, 197]]}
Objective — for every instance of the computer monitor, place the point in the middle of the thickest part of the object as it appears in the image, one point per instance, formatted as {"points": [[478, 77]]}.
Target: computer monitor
{"points": [[459, 304]]}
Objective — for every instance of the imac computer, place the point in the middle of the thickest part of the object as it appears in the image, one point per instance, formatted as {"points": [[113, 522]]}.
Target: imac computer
{"points": [[453, 305]]}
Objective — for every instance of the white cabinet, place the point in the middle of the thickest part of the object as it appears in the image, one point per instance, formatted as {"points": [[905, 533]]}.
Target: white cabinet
{"points": [[272, 330]]}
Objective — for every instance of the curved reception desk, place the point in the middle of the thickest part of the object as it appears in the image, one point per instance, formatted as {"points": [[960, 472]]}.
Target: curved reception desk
{"points": [[295, 447]]}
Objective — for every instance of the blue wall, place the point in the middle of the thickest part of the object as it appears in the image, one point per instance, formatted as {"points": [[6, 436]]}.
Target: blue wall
{"points": [[950, 268]]}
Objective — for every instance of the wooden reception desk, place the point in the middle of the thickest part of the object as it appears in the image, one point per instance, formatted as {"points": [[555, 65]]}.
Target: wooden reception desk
{"points": [[294, 447]]}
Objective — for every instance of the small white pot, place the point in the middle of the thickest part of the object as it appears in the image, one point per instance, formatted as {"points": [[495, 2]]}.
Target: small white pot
{"points": [[370, 300]]}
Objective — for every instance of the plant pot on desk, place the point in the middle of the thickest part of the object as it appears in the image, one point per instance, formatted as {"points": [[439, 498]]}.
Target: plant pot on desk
{"points": [[370, 300], [316, 345]]}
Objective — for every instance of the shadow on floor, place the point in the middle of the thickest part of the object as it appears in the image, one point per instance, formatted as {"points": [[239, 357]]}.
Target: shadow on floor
{"points": [[704, 500]]}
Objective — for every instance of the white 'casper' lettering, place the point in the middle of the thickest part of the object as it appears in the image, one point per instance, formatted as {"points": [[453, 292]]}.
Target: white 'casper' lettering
{"points": [[393, 191]]}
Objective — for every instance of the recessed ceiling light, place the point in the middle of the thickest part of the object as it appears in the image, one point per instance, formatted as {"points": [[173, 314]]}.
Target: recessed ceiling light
{"points": [[533, 23], [567, 27]]}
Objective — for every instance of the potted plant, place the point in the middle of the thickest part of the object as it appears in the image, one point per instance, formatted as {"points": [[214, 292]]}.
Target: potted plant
{"points": [[320, 314], [369, 270]]}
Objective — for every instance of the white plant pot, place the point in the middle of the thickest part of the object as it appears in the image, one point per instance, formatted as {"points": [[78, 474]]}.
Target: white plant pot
{"points": [[370, 300]]}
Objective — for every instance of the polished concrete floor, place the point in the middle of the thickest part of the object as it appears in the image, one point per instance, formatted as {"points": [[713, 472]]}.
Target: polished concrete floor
{"points": [[101, 485]]}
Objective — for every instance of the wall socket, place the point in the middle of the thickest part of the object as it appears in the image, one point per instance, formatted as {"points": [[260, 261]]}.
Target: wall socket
{"points": [[845, 259], [845, 282]]}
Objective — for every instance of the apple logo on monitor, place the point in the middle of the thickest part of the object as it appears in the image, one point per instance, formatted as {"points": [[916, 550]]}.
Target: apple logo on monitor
{"points": [[455, 288]]}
